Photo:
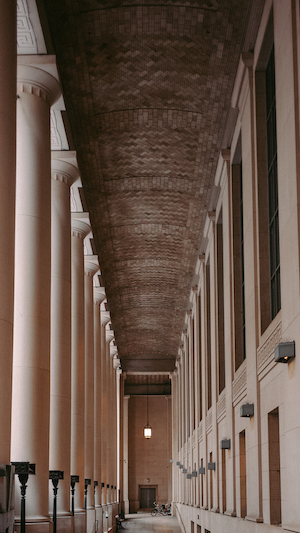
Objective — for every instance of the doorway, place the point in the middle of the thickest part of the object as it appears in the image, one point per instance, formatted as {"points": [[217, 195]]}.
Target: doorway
{"points": [[147, 497]]}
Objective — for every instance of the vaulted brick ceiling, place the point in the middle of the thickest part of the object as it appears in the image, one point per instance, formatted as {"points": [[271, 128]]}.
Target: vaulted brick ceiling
{"points": [[147, 89]]}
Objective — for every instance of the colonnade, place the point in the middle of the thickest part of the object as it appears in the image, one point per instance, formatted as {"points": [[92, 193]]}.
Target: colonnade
{"points": [[59, 378]]}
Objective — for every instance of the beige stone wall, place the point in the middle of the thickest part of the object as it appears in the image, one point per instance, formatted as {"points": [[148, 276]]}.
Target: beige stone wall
{"points": [[255, 484], [149, 459]]}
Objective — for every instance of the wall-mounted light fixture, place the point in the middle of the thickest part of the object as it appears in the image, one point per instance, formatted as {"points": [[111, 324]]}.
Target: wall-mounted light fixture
{"points": [[194, 473], [189, 476], [147, 428], [284, 352], [178, 463], [247, 410], [211, 466], [201, 470], [184, 470], [225, 444]]}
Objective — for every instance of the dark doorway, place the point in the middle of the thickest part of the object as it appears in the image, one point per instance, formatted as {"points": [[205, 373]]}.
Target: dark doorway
{"points": [[147, 497]]}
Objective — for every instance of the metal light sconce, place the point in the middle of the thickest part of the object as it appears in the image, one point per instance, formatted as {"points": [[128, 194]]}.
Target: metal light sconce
{"points": [[194, 473], [211, 466], [189, 476], [201, 470], [247, 410], [147, 428], [284, 352]]}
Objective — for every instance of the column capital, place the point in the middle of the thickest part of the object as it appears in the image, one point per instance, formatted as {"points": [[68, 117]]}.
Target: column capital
{"points": [[79, 229], [32, 80], [91, 265], [109, 335], [64, 172], [99, 294], [105, 317], [113, 350]]}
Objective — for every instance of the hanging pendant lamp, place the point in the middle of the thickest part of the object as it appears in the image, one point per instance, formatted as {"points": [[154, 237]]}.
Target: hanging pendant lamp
{"points": [[147, 428]]}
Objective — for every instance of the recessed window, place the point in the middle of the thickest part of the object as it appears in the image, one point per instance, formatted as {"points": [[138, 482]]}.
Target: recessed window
{"points": [[220, 303], [238, 257], [269, 254], [208, 334]]}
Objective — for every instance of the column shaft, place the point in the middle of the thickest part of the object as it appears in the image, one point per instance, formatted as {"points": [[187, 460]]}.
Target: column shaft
{"points": [[79, 232], [8, 57], [63, 175], [31, 375]]}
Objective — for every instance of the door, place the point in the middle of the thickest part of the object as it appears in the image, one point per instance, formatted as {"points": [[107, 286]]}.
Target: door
{"points": [[147, 497]]}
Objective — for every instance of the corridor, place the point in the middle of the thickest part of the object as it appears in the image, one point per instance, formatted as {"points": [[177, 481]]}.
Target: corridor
{"points": [[146, 523]]}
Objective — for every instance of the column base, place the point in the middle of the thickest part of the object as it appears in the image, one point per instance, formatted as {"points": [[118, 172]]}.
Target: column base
{"points": [[90, 520], [126, 506], [34, 526], [99, 518], [64, 523], [257, 519], [79, 522]]}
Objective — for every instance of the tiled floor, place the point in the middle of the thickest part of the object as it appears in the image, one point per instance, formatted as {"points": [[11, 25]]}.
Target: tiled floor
{"points": [[144, 523]]}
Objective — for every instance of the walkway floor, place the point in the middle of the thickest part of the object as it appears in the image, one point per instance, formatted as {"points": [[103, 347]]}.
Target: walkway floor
{"points": [[144, 523]]}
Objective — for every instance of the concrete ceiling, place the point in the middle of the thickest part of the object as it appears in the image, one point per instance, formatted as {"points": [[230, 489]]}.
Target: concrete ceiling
{"points": [[147, 88]]}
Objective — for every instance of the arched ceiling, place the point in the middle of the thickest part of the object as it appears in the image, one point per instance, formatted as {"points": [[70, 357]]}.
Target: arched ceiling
{"points": [[147, 89]]}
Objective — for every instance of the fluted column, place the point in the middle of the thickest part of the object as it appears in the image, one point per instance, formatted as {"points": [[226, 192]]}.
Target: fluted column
{"points": [[63, 175], [99, 296], [8, 57], [91, 266], [79, 232], [37, 91]]}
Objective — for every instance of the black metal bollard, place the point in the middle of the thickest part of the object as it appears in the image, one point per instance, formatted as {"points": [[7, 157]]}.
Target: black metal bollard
{"points": [[87, 482], [74, 480], [23, 470], [55, 476]]}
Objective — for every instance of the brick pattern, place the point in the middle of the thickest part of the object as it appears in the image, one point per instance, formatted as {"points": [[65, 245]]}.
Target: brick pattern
{"points": [[147, 90]]}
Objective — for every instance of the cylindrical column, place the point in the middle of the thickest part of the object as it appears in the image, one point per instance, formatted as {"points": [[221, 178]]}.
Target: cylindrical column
{"points": [[79, 232], [63, 175], [8, 57], [104, 405], [99, 296], [37, 91], [90, 268], [125, 454]]}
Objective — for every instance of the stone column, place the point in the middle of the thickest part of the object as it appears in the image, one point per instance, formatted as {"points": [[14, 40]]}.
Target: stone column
{"points": [[79, 231], [37, 91], [105, 318], [8, 57], [125, 454], [63, 175], [109, 426], [91, 266], [99, 296]]}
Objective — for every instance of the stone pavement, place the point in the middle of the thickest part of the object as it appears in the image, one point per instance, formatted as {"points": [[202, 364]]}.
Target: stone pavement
{"points": [[146, 523]]}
